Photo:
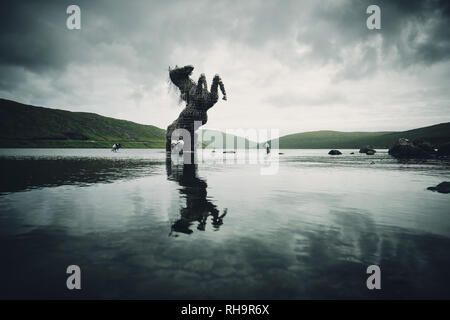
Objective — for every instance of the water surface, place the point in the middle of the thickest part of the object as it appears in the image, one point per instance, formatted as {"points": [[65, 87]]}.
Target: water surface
{"points": [[143, 227]]}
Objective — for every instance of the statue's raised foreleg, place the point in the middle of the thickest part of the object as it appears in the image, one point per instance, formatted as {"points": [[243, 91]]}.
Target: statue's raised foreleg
{"points": [[222, 88], [214, 88]]}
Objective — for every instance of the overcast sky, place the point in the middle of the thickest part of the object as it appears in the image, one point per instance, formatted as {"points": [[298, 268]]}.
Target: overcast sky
{"points": [[292, 65]]}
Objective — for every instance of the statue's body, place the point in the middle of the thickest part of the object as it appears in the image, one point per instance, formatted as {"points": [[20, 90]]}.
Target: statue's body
{"points": [[198, 101]]}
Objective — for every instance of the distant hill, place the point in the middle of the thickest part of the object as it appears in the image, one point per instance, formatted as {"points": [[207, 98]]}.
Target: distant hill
{"points": [[23, 126], [436, 134], [216, 139], [29, 126]]}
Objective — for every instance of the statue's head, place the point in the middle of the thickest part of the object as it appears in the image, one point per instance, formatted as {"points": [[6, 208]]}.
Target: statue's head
{"points": [[178, 74]]}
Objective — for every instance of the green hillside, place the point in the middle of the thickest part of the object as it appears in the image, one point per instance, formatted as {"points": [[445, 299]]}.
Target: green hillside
{"points": [[29, 126], [327, 139], [220, 140], [436, 134]]}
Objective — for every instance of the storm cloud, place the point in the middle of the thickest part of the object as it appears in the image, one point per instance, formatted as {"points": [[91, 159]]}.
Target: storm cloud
{"points": [[292, 65]]}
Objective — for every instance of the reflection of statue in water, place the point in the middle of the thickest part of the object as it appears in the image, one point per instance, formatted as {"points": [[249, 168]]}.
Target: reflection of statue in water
{"points": [[198, 207], [198, 101]]}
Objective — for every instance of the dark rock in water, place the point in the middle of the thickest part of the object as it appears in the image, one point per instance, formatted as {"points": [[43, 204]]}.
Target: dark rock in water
{"points": [[444, 150], [280, 152], [352, 153], [425, 146], [335, 152], [443, 187], [229, 152], [367, 149], [404, 149], [370, 152], [407, 151]]}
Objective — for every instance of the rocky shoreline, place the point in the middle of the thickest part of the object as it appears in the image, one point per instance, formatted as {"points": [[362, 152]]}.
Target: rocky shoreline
{"points": [[418, 149]]}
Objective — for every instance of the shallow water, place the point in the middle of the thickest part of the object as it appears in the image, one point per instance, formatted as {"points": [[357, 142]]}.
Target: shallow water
{"points": [[143, 227]]}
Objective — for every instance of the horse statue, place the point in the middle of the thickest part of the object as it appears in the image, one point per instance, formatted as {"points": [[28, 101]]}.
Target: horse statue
{"points": [[198, 208], [198, 100]]}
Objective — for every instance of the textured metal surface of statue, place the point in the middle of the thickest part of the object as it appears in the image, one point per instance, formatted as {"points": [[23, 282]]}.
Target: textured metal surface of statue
{"points": [[198, 100]]}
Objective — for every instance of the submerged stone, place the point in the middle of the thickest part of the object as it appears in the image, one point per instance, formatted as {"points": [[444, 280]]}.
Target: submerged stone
{"points": [[367, 150], [334, 152], [443, 187]]}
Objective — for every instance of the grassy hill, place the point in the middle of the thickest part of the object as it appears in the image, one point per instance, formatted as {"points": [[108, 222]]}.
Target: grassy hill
{"points": [[326, 139], [220, 140], [29, 126], [436, 134]]}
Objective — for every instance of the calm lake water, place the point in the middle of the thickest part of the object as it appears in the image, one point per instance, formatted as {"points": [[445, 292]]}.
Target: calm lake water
{"points": [[143, 227]]}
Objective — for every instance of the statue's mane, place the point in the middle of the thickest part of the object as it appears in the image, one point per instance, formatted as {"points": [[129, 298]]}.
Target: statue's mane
{"points": [[174, 91], [179, 78]]}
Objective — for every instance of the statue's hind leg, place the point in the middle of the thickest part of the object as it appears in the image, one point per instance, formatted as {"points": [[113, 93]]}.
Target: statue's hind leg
{"points": [[169, 132], [168, 144]]}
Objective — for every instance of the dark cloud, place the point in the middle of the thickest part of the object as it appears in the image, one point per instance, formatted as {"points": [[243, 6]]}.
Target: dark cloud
{"points": [[418, 30], [33, 33], [135, 42]]}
